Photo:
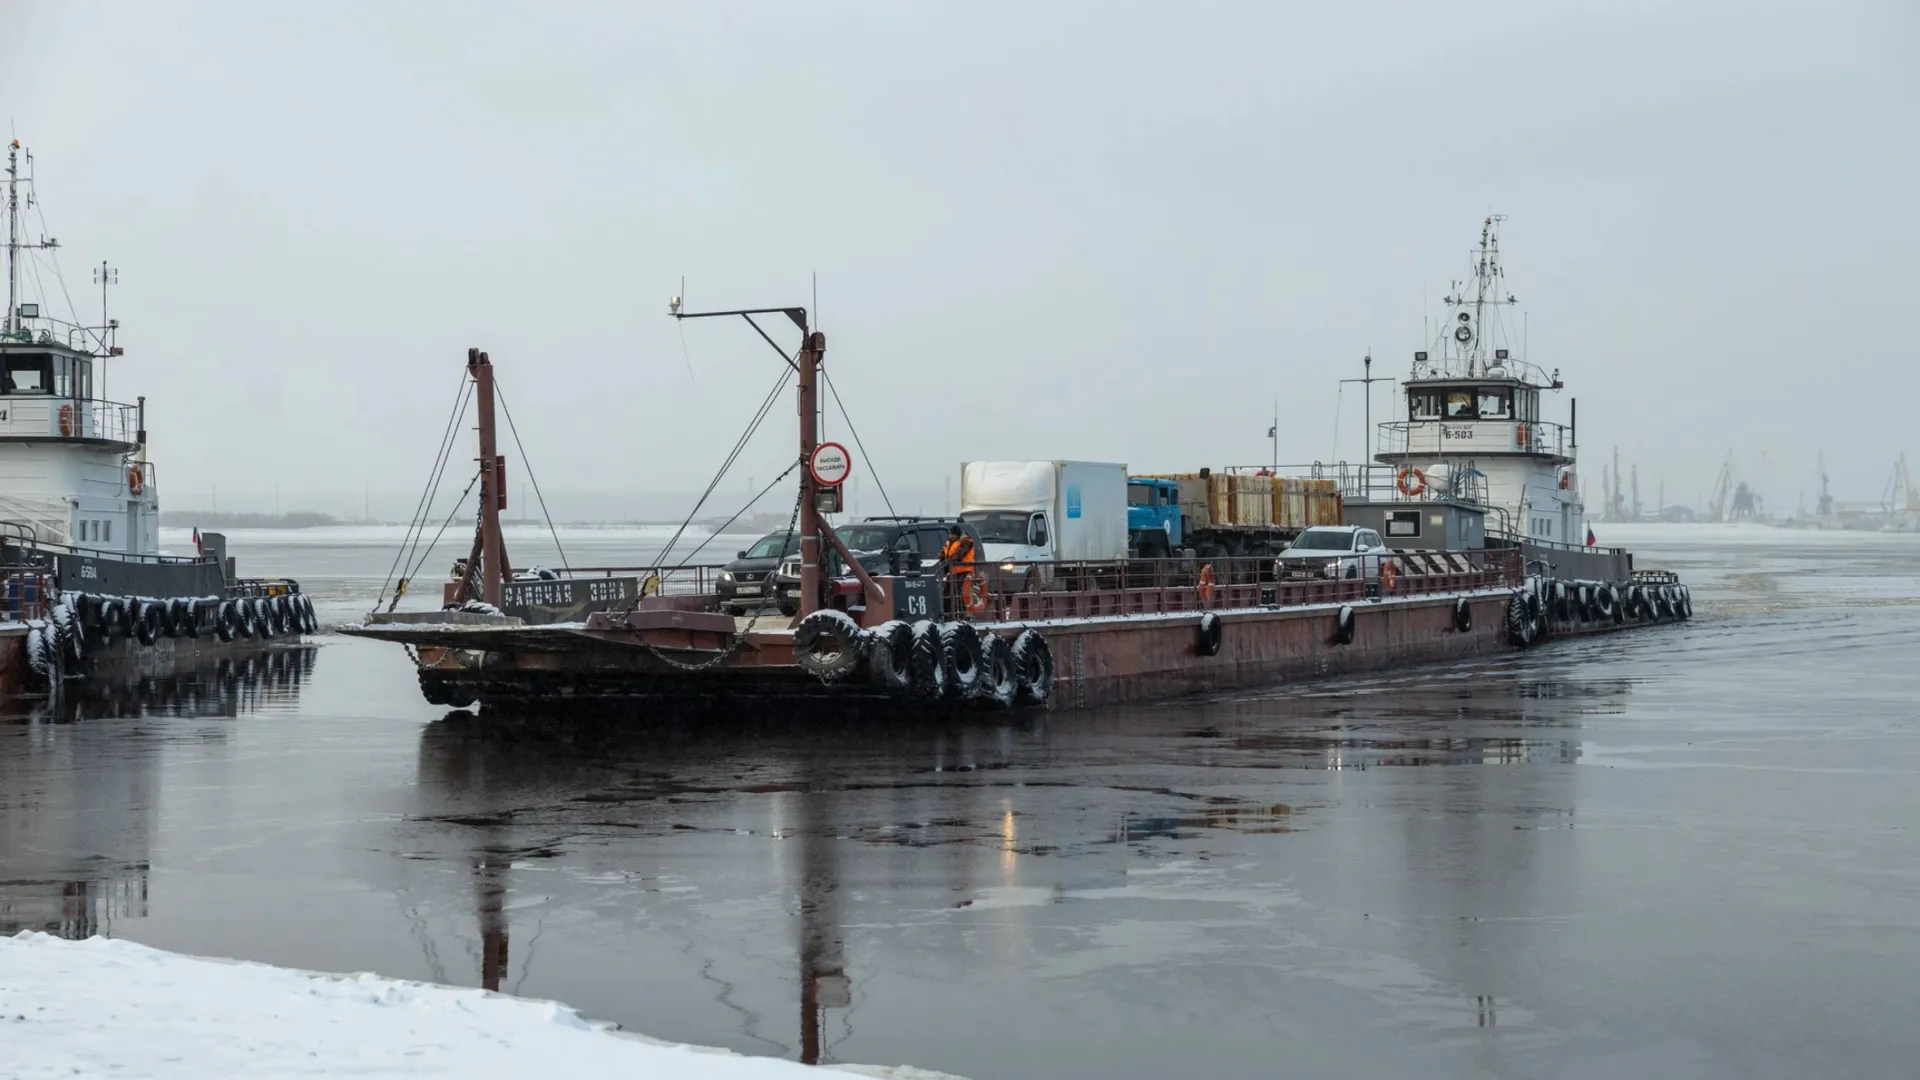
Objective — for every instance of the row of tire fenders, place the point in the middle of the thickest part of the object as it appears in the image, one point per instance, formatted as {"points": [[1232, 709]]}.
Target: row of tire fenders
{"points": [[949, 662], [83, 621], [1591, 602]]}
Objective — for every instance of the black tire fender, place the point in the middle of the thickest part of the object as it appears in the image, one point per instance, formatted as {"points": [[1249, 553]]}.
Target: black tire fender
{"points": [[827, 644], [1462, 616], [926, 667], [1209, 634], [890, 656], [1519, 623], [1000, 678], [1343, 625], [150, 623], [262, 617], [179, 618], [226, 620], [961, 654], [1033, 663]]}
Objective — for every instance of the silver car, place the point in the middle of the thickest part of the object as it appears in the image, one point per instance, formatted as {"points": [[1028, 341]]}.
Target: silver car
{"points": [[1333, 551]]}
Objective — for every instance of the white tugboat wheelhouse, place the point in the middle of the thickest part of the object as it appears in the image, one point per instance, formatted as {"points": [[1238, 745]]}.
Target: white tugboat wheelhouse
{"points": [[73, 468], [1475, 426]]}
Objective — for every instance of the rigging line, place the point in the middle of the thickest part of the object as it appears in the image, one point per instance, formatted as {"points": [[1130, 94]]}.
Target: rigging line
{"points": [[446, 459], [527, 464], [418, 527], [862, 447], [734, 455], [40, 211], [1338, 394], [457, 503], [688, 356], [736, 516], [419, 510]]}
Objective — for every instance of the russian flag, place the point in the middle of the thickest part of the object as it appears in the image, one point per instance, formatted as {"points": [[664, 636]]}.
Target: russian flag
{"points": [[198, 550], [1590, 537]]}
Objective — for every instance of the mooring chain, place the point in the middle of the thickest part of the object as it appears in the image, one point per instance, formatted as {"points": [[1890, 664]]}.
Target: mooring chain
{"points": [[739, 636]]}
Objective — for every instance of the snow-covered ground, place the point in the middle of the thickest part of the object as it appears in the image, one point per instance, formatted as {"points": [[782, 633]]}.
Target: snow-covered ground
{"points": [[101, 1006]]}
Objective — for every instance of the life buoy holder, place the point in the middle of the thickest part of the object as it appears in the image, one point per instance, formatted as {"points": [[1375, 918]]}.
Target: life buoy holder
{"points": [[1387, 577], [1206, 583], [1520, 434], [1411, 481], [66, 421], [136, 480]]}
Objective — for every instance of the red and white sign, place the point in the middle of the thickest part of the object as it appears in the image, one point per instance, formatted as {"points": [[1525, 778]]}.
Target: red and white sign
{"points": [[830, 464]]}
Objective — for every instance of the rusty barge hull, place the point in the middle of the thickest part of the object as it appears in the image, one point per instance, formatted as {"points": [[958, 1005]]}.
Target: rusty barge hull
{"points": [[1097, 661]]}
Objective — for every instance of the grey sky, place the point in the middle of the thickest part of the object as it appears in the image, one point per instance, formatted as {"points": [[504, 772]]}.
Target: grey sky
{"points": [[1102, 231]]}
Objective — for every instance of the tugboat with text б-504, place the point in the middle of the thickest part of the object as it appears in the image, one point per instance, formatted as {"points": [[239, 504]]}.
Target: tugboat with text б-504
{"points": [[84, 588]]}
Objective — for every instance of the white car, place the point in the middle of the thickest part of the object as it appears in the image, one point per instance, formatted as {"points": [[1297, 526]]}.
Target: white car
{"points": [[1334, 551]]}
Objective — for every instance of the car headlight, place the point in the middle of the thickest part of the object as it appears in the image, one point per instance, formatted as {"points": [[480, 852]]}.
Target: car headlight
{"points": [[726, 576], [1007, 566], [1333, 567]]}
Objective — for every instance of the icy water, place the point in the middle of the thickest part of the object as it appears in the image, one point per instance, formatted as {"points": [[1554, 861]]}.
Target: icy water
{"points": [[1687, 851]]}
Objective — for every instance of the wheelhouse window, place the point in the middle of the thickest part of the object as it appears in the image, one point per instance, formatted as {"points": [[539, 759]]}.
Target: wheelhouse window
{"points": [[1424, 404], [1460, 405], [1496, 403], [30, 373]]}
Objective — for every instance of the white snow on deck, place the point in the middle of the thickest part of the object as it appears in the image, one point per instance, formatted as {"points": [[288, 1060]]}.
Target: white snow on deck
{"points": [[101, 1006]]}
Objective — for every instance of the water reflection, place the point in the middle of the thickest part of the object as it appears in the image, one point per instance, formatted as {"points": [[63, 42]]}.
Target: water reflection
{"points": [[1002, 818], [80, 790]]}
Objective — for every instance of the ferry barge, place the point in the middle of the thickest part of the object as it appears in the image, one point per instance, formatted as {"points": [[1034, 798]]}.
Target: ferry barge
{"points": [[1476, 502], [84, 587]]}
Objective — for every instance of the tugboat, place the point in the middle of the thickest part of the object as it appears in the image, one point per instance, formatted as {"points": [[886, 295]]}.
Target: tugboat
{"points": [[83, 585], [1475, 435]]}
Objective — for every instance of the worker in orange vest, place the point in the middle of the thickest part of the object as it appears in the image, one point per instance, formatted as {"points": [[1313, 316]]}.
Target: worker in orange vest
{"points": [[958, 555]]}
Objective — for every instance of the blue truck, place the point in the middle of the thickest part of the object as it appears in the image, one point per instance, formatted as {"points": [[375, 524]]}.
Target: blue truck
{"points": [[1247, 514]]}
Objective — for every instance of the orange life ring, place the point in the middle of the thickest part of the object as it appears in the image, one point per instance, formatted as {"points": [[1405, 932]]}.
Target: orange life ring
{"points": [[1520, 436], [1205, 586], [1411, 481], [1387, 576], [66, 421], [976, 594], [136, 483]]}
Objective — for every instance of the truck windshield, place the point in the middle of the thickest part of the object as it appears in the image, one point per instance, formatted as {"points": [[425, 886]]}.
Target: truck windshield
{"points": [[999, 526], [1315, 540]]}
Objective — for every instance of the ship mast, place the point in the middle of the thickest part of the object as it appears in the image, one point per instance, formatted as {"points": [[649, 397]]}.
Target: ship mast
{"points": [[1470, 333], [10, 319]]}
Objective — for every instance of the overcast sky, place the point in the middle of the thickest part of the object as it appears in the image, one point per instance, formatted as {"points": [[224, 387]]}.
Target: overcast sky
{"points": [[1100, 231]]}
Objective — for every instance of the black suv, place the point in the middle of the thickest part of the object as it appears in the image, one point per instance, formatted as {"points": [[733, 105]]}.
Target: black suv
{"points": [[743, 585], [884, 545]]}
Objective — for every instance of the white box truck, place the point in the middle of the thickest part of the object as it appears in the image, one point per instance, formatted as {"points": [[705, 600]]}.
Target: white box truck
{"points": [[1046, 511]]}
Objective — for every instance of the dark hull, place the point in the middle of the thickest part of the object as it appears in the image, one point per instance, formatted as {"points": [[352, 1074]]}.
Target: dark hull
{"points": [[1097, 661]]}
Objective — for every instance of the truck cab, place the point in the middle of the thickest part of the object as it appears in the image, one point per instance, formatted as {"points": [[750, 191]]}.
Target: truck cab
{"points": [[1154, 524]]}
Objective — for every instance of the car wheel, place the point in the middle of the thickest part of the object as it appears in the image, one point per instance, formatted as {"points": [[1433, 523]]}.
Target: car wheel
{"points": [[789, 610]]}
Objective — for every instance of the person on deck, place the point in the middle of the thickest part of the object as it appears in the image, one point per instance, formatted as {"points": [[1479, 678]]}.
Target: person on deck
{"points": [[958, 557]]}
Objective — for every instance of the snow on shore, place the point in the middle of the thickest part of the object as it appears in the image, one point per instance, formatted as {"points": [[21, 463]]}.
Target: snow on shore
{"points": [[100, 1006]]}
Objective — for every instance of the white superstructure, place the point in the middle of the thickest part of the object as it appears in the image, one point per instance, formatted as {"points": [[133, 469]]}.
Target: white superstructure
{"points": [[1476, 424], [73, 468]]}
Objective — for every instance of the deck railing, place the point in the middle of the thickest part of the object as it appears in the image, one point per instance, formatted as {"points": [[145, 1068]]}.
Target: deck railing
{"points": [[26, 592], [1029, 591]]}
